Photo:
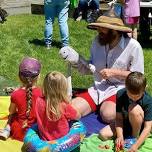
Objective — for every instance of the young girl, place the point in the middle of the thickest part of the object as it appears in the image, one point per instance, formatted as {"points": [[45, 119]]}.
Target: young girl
{"points": [[22, 106], [131, 13], [54, 111]]}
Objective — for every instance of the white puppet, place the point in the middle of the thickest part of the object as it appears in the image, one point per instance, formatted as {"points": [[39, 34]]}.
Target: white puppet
{"points": [[70, 55]]}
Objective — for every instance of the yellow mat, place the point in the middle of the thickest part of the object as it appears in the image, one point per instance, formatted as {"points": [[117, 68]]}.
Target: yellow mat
{"points": [[4, 105], [89, 144], [9, 145]]}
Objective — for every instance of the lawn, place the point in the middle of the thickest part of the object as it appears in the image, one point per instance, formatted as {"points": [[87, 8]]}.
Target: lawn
{"points": [[22, 35]]}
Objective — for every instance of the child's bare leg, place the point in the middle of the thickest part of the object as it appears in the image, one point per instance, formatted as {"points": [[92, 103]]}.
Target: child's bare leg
{"points": [[134, 33], [136, 117], [107, 132]]}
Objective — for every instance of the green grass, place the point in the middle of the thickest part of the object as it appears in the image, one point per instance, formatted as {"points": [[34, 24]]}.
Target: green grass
{"points": [[22, 35]]}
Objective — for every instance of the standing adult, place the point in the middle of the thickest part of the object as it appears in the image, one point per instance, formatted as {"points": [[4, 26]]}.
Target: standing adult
{"points": [[52, 9], [114, 56]]}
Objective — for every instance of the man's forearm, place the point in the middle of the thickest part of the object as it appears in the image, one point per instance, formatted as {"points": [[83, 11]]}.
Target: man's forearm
{"points": [[121, 74], [83, 66]]}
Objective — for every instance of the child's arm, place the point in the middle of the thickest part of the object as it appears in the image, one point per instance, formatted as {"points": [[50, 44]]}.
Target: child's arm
{"points": [[144, 134], [119, 124], [119, 131], [12, 111]]}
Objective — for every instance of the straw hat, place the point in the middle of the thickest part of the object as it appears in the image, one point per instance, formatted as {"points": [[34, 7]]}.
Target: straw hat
{"points": [[111, 21]]}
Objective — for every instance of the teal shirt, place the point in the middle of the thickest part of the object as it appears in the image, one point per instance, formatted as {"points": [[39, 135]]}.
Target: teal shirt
{"points": [[123, 102]]}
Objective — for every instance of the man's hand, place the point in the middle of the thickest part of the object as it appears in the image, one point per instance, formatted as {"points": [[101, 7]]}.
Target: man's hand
{"points": [[107, 73], [69, 54]]}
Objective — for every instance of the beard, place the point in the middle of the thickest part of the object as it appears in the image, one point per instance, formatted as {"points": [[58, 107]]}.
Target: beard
{"points": [[107, 38]]}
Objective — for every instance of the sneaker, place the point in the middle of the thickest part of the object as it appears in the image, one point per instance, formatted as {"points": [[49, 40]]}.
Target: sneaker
{"points": [[79, 18], [5, 133], [48, 46], [129, 142]]}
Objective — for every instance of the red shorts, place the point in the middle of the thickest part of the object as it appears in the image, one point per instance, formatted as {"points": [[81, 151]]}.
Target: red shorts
{"points": [[85, 95]]}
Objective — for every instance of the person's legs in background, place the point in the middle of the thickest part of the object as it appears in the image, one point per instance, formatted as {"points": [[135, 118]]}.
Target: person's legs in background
{"points": [[94, 4], [62, 12], [134, 31], [50, 12], [93, 12], [82, 8]]}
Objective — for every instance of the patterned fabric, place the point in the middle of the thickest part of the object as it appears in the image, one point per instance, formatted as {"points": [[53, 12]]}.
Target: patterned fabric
{"points": [[33, 143]]}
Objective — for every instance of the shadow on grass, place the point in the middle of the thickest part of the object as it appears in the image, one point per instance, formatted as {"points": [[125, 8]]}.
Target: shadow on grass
{"points": [[146, 44], [39, 42]]}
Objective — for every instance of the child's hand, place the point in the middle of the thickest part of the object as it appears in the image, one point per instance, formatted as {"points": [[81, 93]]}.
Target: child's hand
{"points": [[119, 143], [133, 148]]}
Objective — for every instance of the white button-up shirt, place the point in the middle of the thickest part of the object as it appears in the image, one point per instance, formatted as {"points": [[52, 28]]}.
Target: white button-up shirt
{"points": [[127, 55]]}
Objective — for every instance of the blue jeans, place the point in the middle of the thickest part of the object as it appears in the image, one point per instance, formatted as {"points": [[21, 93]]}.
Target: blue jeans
{"points": [[52, 9], [83, 5]]}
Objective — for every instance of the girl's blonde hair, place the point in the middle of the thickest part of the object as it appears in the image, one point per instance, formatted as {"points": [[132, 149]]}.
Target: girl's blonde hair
{"points": [[55, 91]]}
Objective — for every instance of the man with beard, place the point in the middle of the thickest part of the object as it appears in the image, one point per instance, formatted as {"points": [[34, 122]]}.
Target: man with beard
{"points": [[114, 55]]}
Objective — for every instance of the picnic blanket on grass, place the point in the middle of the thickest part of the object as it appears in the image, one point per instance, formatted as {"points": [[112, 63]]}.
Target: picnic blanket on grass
{"points": [[90, 144]]}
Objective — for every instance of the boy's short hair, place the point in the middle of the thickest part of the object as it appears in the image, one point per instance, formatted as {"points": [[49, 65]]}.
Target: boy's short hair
{"points": [[135, 82]]}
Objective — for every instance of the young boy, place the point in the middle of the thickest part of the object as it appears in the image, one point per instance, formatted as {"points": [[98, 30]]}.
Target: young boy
{"points": [[133, 113]]}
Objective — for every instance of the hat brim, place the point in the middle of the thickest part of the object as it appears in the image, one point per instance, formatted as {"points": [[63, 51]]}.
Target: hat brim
{"points": [[95, 26]]}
